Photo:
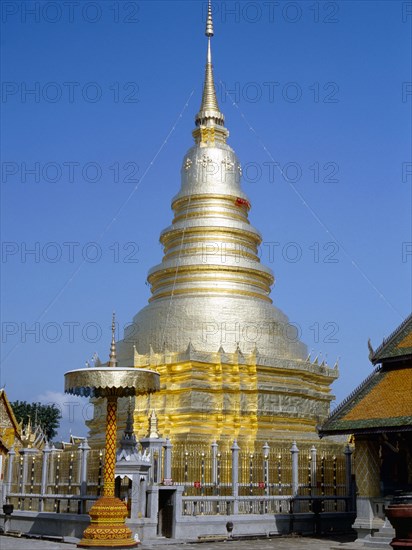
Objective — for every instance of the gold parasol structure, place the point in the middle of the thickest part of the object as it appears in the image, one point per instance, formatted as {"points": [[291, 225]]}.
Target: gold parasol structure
{"points": [[107, 528]]}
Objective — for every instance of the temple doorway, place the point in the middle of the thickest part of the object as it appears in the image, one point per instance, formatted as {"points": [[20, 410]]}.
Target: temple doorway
{"points": [[123, 490], [165, 523], [396, 463]]}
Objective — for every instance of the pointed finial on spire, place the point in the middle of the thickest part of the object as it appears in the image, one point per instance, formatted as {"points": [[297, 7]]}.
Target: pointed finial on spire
{"points": [[113, 357], [209, 114], [209, 20], [129, 420], [153, 426]]}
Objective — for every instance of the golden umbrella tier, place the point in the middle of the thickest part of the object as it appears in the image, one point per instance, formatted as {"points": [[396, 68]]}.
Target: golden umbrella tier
{"points": [[106, 381], [107, 528]]}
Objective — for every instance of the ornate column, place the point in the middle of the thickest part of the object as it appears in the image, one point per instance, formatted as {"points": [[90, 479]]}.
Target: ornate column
{"points": [[110, 447], [107, 528]]}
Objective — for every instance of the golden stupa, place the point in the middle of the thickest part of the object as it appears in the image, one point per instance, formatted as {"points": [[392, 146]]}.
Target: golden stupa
{"points": [[230, 364]]}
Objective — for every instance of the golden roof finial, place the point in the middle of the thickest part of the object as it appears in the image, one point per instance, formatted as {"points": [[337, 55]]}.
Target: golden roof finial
{"points": [[113, 357], [209, 108]]}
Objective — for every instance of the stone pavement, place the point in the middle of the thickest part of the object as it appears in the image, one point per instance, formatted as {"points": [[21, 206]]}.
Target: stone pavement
{"points": [[276, 543]]}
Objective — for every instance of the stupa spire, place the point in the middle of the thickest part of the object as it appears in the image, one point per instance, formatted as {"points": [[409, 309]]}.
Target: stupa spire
{"points": [[211, 249], [113, 357], [209, 113]]}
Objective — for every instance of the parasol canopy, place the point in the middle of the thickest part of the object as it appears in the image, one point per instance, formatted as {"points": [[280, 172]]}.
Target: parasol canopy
{"points": [[111, 381]]}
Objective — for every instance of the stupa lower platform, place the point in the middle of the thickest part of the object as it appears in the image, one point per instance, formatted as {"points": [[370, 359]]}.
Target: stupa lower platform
{"points": [[225, 396]]}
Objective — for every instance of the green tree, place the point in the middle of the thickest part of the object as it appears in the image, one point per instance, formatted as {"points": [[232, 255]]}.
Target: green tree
{"points": [[46, 416]]}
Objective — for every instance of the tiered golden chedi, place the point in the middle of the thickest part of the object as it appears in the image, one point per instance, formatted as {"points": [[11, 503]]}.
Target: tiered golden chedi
{"points": [[229, 362]]}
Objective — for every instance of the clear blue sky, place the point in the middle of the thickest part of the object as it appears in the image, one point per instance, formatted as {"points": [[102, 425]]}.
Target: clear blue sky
{"points": [[325, 87]]}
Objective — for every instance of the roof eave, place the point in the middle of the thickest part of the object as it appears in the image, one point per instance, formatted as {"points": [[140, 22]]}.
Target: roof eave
{"points": [[365, 431]]}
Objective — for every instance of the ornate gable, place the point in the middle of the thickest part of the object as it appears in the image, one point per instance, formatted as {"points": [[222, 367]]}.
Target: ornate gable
{"points": [[383, 402], [9, 427], [397, 346]]}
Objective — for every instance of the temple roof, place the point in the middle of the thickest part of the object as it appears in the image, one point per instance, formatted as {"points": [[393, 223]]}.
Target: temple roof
{"points": [[397, 345], [383, 402], [9, 412], [3, 447]]}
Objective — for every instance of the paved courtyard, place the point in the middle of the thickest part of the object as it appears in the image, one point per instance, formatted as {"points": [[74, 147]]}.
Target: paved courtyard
{"points": [[278, 543]]}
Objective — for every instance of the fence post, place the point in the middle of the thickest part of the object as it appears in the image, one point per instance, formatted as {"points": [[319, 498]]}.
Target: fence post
{"points": [[235, 475], [348, 477], [167, 464], [7, 485], [214, 464], [84, 449], [27, 452], [295, 468], [313, 480], [44, 470], [266, 450]]}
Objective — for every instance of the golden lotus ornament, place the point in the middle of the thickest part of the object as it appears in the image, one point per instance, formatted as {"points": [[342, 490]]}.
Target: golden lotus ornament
{"points": [[108, 515]]}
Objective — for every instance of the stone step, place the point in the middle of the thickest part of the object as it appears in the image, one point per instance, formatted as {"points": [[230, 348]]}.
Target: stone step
{"points": [[372, 543], [380, 539], [367, 543], [348, 546]]}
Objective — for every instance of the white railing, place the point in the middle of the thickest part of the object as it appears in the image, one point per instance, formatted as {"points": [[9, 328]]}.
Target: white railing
{"points": [[218, 505]]}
